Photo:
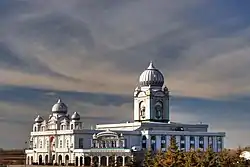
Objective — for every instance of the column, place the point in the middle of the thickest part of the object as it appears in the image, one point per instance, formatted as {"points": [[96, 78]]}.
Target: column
{"points": [[91, 160], [107, 159], [167, 141], [178, 141], [187, 143], [215, 144], [83, 160], [205, 142], [148, 141], [196, 142], [99, 160], [123, 160], [158, 142], [115, 159]]}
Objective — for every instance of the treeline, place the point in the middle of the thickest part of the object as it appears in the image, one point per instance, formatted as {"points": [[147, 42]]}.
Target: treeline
{"points": [[174, 157]]}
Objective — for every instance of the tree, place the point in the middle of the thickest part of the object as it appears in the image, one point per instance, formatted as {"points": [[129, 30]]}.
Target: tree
{"points": [[148, 158], [208, 158], [191, 158], [173, 156]]}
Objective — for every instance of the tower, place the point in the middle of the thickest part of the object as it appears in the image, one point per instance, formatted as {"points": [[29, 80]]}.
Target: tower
{"points": [[151, 98]]}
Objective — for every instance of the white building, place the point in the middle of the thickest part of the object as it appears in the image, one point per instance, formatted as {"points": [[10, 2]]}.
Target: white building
{"points": [[63, 138]]}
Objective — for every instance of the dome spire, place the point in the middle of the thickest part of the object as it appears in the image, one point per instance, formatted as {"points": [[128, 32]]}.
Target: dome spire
{"points": [[59, 100], [151, 65]]}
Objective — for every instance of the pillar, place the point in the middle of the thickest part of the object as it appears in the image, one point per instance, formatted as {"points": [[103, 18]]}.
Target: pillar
{"points": [[123, 160], [167, 141], [205, 142], [196, 142], [107, 159], [83, 160], [99, 160], [158, 142], [187, 143]]}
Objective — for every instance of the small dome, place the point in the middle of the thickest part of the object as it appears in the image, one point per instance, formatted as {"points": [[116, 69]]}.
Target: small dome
{"points": [[38, 119], [151, 77], [75, 116], [60, 107]]}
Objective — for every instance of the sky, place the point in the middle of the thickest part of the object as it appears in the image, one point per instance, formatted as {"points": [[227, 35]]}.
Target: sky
{"points": [[91, 53]]}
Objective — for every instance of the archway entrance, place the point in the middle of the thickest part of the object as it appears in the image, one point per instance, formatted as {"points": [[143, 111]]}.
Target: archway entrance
{"points": [[81, 161], [103, 161], [40, 160], [76, 161], [60, 159], [95, 160], [128, 161], [87, 161], [46, 159], [66, 159], [119, 161], [28, 160]]}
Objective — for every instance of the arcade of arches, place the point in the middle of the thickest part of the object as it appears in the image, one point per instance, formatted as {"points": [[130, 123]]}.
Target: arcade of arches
{"points": [[84, 161]]}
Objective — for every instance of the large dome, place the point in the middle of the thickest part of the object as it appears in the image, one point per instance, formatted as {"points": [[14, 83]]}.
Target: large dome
{"points": [[151, 77], [60, 107]]}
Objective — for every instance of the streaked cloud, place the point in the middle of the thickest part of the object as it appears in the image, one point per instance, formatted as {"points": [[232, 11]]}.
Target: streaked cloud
{"points": [[91, 53]]}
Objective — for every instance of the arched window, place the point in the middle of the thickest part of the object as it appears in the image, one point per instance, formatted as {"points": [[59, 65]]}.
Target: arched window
{"points": [[163, 143], [192, 142], [219, 143], [210, 142], [71, 126], [144, 142], [182, 142], [201, 142], [35, 129], [142, 110], [153, 143]]}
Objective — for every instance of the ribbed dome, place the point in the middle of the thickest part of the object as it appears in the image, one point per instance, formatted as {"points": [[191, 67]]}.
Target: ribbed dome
{"points": [[60, 107], [75, 116], [39, 119], [151, 77]]}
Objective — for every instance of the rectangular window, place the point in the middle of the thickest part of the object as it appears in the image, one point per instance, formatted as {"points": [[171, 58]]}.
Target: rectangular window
{"points": [[80, 142]]}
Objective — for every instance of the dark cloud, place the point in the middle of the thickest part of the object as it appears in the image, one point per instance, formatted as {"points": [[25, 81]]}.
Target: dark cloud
{"points": [[96, 50]]}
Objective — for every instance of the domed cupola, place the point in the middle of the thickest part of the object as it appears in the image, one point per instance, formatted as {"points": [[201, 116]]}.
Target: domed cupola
{"points": [[39, 119], [60, 107], [151, 77], [75, 116]]}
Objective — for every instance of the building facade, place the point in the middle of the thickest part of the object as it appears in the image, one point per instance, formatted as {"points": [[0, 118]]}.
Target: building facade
{"points": [[63, 139]]}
